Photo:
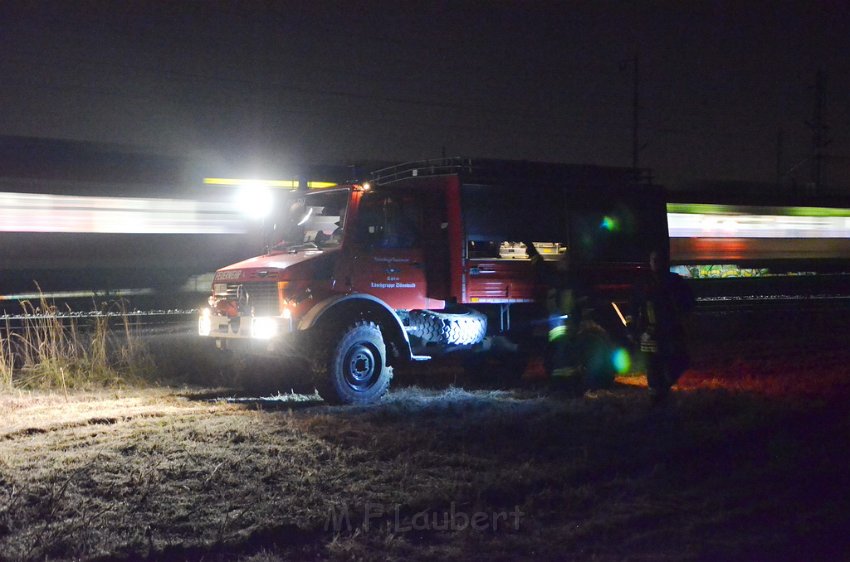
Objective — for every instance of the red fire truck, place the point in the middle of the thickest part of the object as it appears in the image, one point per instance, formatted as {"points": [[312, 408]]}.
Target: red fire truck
{"points": [[429, 257]]}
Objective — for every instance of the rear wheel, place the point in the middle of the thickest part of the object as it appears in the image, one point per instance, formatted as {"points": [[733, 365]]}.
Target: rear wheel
{"points": [[350, 365], [463, 326]]}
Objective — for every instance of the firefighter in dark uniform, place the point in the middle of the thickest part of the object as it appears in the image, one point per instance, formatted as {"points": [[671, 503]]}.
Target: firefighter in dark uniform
{"points": [[563, 305], [661, 305]]}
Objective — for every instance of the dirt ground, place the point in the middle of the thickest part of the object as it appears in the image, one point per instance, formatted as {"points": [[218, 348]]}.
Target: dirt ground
{"points": [[748, 462]]}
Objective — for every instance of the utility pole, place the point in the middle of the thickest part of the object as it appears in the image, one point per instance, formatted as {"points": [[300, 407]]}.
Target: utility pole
{"points": [[635, 114], [819, 133], [780, 147]]}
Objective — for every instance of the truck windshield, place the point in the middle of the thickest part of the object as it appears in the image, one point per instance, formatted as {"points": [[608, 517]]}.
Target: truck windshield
{"points": [[312, 221]]}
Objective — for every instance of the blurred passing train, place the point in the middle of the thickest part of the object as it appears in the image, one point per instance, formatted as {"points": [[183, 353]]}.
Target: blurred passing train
{"points": [[74, 242], [778, 239], [87, 219], [82, 219]]}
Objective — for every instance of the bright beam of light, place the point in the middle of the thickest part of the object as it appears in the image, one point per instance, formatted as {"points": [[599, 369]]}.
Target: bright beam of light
{"points": [[255, 201], [619, 313], [73, 295], [281, 184], [29, 212], [236, 182], [307, 216]]}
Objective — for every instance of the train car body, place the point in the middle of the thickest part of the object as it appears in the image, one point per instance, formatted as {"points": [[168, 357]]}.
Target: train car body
{"points": [[84, 217], [780, 238]]}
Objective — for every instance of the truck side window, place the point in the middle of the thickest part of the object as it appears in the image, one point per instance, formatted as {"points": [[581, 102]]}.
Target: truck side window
{"points": [[511, 250], [483, 249], [389, 221]]}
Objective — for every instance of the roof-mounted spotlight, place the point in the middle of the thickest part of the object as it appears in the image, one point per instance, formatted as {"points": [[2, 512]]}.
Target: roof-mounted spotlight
{"points": [[254, 199]]}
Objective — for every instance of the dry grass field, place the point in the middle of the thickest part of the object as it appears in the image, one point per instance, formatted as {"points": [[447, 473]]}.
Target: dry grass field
{"points": [[748, 462]]}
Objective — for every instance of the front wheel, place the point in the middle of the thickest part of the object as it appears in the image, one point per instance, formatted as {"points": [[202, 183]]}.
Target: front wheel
{"points": [[351, 367]]}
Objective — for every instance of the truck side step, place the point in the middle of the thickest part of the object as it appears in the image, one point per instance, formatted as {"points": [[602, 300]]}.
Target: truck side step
{"points": [[420, 357]]}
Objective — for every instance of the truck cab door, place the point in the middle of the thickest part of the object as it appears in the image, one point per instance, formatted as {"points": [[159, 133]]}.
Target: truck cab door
{"points": [[387, 259]]}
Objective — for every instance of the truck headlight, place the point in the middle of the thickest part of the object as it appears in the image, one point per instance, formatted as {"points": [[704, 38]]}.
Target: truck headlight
{"points": [[204, 323], [263, 328]]}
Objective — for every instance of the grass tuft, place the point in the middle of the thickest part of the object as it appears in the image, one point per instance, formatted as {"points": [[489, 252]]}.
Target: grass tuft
{"points": [[49, 349]]}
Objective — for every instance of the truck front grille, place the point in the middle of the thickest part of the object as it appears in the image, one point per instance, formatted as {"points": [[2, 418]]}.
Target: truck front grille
{"points": [[261, 298]]}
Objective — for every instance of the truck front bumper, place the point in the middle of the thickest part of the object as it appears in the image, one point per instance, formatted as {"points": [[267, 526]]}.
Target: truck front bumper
{"points": [[262, 328]]}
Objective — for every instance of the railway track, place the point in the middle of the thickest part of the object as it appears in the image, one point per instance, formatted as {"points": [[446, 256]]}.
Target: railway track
{"points": [[746, 308], [143, 322], [766, 303]]}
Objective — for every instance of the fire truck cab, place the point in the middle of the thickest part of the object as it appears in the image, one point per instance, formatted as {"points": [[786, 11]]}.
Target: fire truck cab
{"points": [[430, 257]]}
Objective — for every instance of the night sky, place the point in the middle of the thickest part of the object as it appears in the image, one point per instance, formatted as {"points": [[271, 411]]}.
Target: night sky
{"points": [[274, 84]]}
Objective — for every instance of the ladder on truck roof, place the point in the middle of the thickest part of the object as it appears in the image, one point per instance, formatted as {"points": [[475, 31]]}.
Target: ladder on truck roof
{"points": [[509, 171]]}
